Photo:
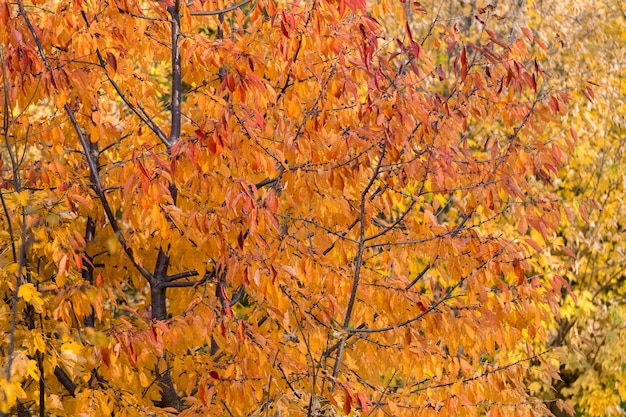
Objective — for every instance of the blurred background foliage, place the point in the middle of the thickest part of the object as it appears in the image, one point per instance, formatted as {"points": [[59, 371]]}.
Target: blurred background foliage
{"points": [[583, 46]]}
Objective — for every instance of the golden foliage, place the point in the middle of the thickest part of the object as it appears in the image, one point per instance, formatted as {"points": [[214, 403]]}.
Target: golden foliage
{"points": [[270, 209]]}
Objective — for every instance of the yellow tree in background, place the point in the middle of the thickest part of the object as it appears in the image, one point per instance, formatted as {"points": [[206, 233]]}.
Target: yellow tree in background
{"points": [[269, 208], [585, 44], [588, 50]]}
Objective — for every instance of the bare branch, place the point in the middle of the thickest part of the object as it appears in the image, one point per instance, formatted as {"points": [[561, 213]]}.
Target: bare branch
{"points": [[176, 90], [421, 274], [359, 259], [222, 11], [139, 112], [181, 275], [65, 380]]}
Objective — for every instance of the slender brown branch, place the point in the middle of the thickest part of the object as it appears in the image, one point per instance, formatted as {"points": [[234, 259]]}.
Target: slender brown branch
{"points": [[317, 100], [105, 203], [42, 385], [181, 275], [184, 284], [392, 226], [359, 259], [341, 235], [362, 239], [24, 244], [88, 269], [221, 11], [25, 241], [448, 295], [176, 90], [482, 374], [7, 142], [65, 380], [461, 227], [90, 233], [137, 110], [420, 275]]}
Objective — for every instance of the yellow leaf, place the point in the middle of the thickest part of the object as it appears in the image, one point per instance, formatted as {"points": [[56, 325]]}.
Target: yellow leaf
{"points": [[54, 402], [12, 392], [30, 294], [113, 245], [19, 366], [143, 380], [22, 198], [39, 343], [33, 370]]}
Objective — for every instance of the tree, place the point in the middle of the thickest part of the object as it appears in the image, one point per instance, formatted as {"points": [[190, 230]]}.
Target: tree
{"points": [[266, 208]]}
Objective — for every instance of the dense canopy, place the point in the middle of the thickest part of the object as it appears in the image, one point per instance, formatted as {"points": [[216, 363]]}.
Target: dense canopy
{"points": [[279, 208]]}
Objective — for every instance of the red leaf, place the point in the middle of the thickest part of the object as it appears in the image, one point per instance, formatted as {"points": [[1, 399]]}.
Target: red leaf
{"points": [[521, 276], [153, 334], [5, 12], [347, 401], [105, 354], [558, 282], [63, 264], [284, 29], [201, 392], [408, 31], [590, 93], [112, 62], [225, 301], [364, 401], [463, 65], [78, 260], [418, 8], [200, 133], [342, 7], [241, 331], [214, 375], [240, 240], [140, 165]]}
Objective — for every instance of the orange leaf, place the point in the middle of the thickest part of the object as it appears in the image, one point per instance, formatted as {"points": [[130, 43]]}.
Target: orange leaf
{"points": [[81, 200], [568, 251], [582, 210], [528, 33], [63, 264]]}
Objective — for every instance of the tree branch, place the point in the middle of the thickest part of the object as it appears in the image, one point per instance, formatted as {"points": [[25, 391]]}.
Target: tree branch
{"points": [[176, 90], [65, 380], [359, 259], [222, 11], [137, 110]]}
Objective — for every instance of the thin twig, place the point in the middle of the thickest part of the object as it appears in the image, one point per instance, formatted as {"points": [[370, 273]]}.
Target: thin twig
{"points": [[359, 259], [137, 110], [221, 11]]}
